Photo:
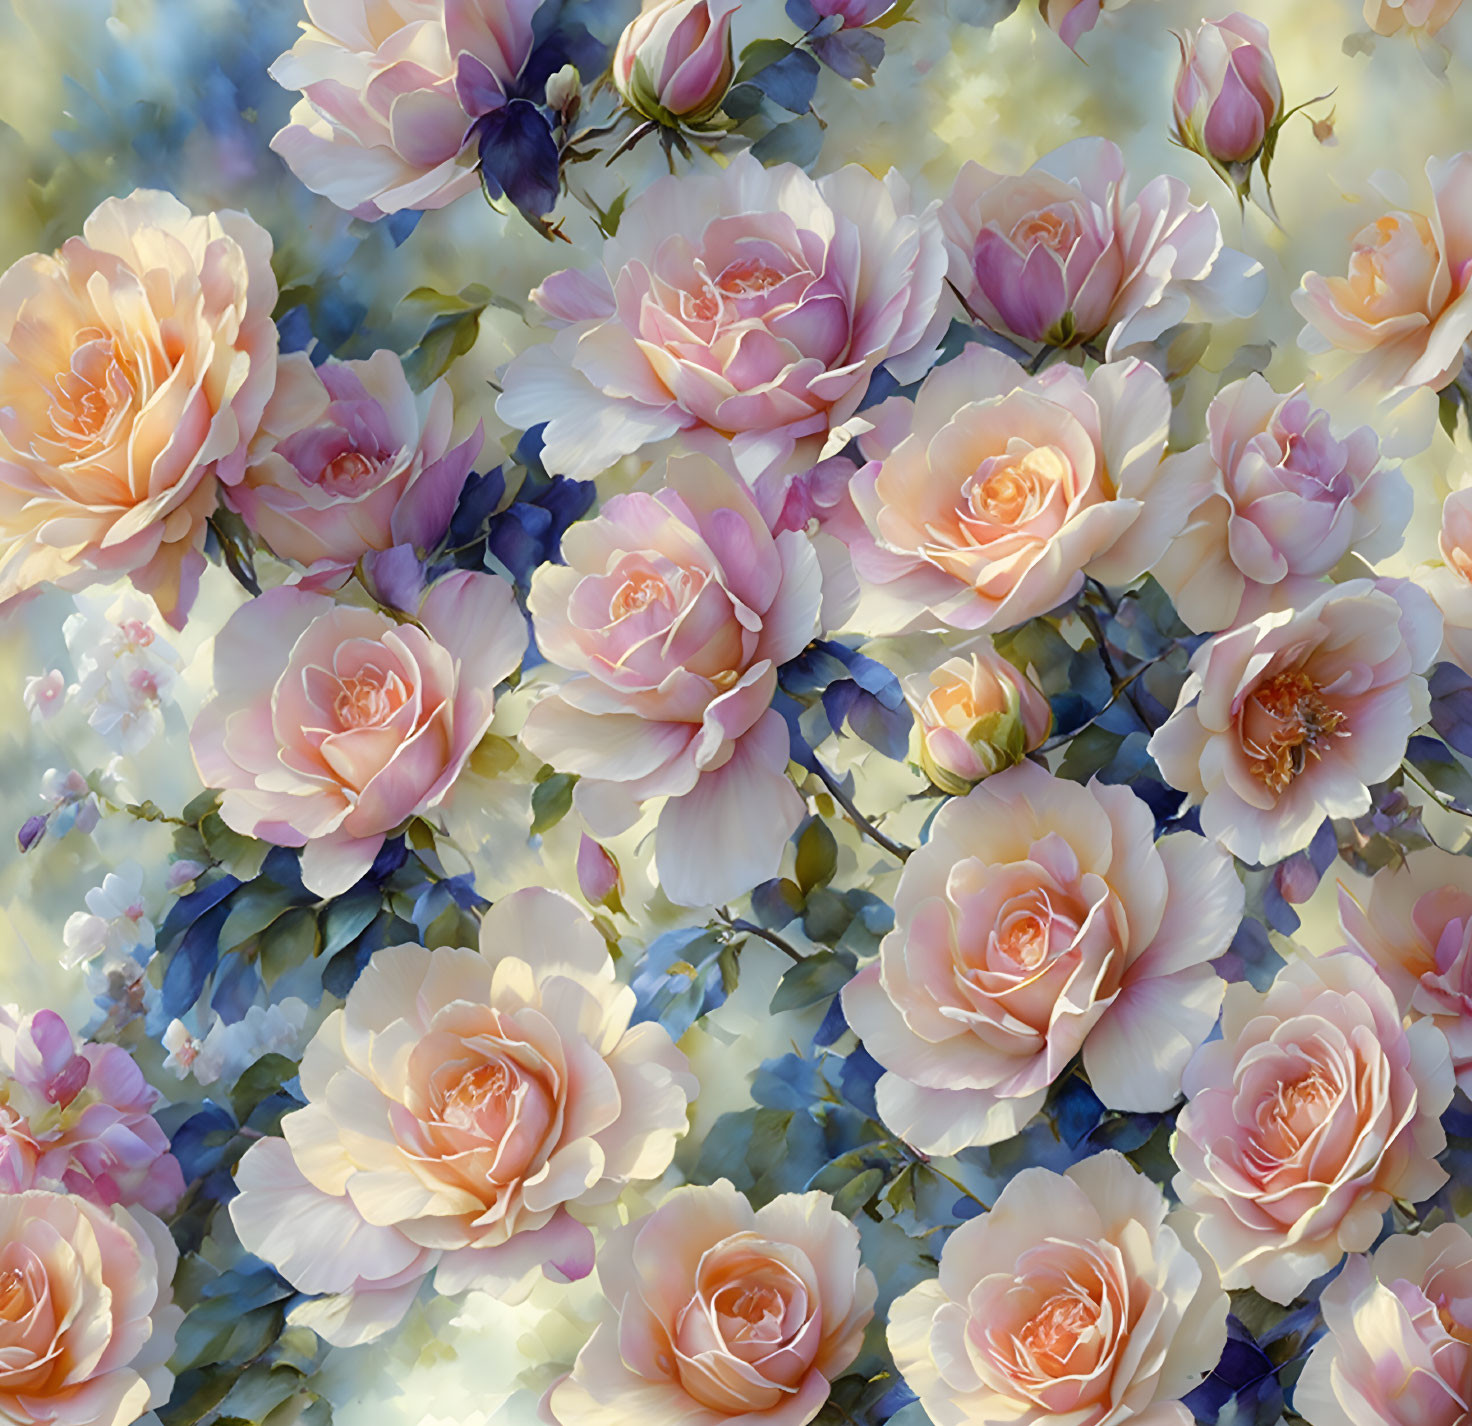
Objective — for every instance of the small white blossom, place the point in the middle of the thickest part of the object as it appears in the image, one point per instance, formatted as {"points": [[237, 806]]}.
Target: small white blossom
{"points": [[44, 694], [115, 922], [70, 801], [225, 1052], [125, 668]]}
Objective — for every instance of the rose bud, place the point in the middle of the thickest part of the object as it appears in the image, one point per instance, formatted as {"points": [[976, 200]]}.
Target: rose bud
{"points": [[598, 875], [975, 717], [1228, 101], [674, 63]]}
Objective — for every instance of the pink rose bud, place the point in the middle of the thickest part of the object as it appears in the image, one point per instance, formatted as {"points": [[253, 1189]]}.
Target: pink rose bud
{"points": [[1228, 99], [598, 874], [674, 63]]}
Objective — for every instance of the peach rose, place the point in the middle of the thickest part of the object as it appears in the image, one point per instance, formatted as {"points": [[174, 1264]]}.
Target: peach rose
{"points": [[87, 1316], [1399, 1347], [135, 363], [388, 92], [1059, 255], [330, 725], [673, 612], [994, 494], [1291, 718], [1413, 922], [460, 1107], [1404, 311], [1076, 1299], [351, 460], [1388, 17], [975, 716], [1450, 582], [720, 1313], [1281, 496], [743, 310], [76, 1118], [1041, 919], [1312, 1112]]}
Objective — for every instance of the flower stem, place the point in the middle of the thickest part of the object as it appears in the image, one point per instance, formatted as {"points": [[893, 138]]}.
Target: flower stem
{"points": [[895, 849], [750, 928]]}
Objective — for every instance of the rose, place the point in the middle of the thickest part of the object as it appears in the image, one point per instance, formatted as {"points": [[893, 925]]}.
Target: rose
{"points": [[1414, 925], [1450, 582], [134, 366], [1312, 1112], [1405, 310], [388, 95], [717, 1313], [1387, 17], [87, 1319], [1076, 1298], [1041, 918], [994, 494], [1070, 19], [460, 1106], [673, 63], [974, 717], [1059, 255], [1280, 496], [351, 460], [76, 1118], [1294, 716], [331, 725], [1227, 98], [1398, 1351], [673, 612], [745, 310]]}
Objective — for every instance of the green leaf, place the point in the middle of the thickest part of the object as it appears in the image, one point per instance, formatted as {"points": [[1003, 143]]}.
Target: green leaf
{"points": [[448, 337], [1092, 749], [289, 941], [817, 855], [348, 917], [818, 978], [857, 1192], [551, 800], [259, 1390], [259, 1082], [242, 855], [760, 55], [196, 1394], [252, 909]]}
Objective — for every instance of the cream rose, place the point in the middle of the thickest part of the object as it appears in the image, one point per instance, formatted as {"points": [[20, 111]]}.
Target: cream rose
{"points": [[1281, 496], [994, 494], [87, 1318], [1312, 1112], [1449, 582], [718, 1312], [1414, 923], [1075, 1299], [135, 363], [460, 1107], [1404, 310], [1041, 919], [1399, 1347], [1291, 718]]}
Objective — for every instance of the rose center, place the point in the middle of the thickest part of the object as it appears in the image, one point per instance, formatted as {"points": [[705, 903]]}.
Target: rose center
{"points": [[476, 1088], [1011, 489], [751, 1312], [15, 1301], [1285, 722], [638, 592], [1289, 1116], [368, 700], [1046, 228], [748, 277], [1051, 1335], [89, 391], [344, 473]]}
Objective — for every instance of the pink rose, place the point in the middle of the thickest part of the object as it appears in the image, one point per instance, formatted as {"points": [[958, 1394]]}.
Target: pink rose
{"points": [[1312, 1112], [77, 1118], [1071, 19], [461, 1107], [1041, 919], [1415, 926], [1404, 311], [1227, 97], [996, 492], [674, 63], [1450, 582], [1291, 718], [351, 460], [1388, 17], [746, 309], [1076, 1299], [1399, 1347], [135, 363], [974, 717], [673, 612], [720, 1313], [87, 1318], [388, 93], [1059, 255], [1280, 496], [330, 725]]}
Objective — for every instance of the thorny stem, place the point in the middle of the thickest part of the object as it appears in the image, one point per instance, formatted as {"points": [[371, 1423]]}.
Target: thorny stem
{"points": [[895, 849], [750, 928]]}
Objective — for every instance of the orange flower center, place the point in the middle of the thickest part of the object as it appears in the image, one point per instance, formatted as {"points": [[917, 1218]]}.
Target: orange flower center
{"points": [[747, 277], [344, 472], [89, 391], [1285, 721], [472, 1090], [369, 700], [638, 592], [1050, 1336], [14, 1299]]}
